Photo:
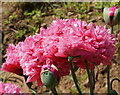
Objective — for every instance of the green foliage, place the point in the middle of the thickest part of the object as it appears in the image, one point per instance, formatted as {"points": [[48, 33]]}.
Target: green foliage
{"points": [[53, 6], [10, 18], [81, 7], [97, 5], [98, 13], [35, 15], [68, 5], [59, 13], [20, 33], [110, 4], [100, 5], [74, 90], [26, 13], [6, 12], [91, 20], [33, 29], [6, 21]]}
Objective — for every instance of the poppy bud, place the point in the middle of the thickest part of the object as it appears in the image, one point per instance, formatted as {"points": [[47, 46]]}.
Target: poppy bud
{"points": [[50, 76], [111, 15]]}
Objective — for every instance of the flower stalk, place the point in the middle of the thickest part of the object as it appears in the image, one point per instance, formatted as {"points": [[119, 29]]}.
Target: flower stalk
{"points": [[75, 79], [73, 75], [90, 78], [108, 78], [93, 78], [111, 29]]}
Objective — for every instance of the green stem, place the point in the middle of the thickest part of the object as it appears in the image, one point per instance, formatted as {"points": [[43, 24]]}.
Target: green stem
{"points": [[5, 80], [90, 78], [75, 79], [93, 78], [112, 82], [54, 91], [108, 77], [111, 29]]}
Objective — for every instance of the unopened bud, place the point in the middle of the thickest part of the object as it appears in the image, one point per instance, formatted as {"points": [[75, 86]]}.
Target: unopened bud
{"points": [[50, 76], [111, 15]]}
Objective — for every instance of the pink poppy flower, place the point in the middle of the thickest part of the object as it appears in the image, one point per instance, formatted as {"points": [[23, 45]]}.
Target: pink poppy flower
{"points": [[32, 60], [32, 53], [12, 63], [73, 37], [9, 88]]}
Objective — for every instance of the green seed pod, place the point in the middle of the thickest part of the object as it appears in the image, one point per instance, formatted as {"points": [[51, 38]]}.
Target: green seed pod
{"points": [[48, 79], [50, 76]]}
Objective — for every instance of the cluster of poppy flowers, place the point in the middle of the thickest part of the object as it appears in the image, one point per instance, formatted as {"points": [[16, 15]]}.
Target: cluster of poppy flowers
{"points": [[63, 38]]}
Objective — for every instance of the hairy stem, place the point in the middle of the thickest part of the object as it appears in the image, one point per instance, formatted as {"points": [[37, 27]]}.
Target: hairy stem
{"points": [[75, 79], [90, 78], [93, 78], [111, 29]]}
